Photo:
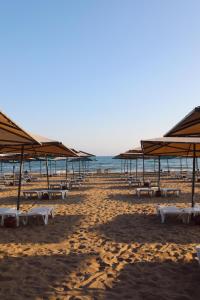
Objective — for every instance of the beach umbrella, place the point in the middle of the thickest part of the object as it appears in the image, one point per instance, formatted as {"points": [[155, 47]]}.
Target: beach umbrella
{"points": [[44, 148], [82, 156], [135, 153], [188, 126], [174, 146], [12, 136]]}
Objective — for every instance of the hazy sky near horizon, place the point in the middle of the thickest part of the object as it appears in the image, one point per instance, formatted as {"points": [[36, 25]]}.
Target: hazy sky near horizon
{"points": [[99, 75]]}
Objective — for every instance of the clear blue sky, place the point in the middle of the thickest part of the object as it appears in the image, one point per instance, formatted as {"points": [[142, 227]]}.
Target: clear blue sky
{"points": [[99, 75]]}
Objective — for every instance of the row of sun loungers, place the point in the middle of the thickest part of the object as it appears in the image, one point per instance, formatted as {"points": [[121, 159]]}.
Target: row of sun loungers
{"points": [[42, 193], [152, 191], [43, 212]]}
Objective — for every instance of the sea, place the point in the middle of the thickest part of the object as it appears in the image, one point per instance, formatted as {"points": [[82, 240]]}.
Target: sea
{"points": [[102, 163]]}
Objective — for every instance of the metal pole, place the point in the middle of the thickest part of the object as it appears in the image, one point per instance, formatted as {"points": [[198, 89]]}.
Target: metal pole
{"points": [[55, 167], [136, 168], [181, 165], [66, 169], [154, 166], [158, 172], [20, 178], [47, 171], [193, 174], [168, 165], [13, 173], [73, 169], [40, 168], [197, 166], [143, 167], [187, 163]]}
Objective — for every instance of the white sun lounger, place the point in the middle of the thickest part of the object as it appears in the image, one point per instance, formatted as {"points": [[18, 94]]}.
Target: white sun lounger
{"points": [[145, 190], [7, 212], [50, 193], [43, 212], [58, 186], [166, 191], [29, 194], [62, 193], [184, 213], [168, 210]]}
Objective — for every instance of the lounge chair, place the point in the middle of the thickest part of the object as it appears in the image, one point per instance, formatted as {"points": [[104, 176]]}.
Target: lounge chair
{"points": [[184, 213], [44, 212], [166, 191], [9, 212], [29, 194], [144, 190], [168, 210]]}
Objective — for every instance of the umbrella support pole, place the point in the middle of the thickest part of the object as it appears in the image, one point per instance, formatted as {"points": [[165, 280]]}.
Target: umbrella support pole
{"points": [[158, 193], [66, 169], [193, 173], [47, 171], [143, 167], [136, 168], [20, 178]]}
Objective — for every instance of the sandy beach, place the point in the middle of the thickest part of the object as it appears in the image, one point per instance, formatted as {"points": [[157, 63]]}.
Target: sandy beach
{"points": [[104, 243]]}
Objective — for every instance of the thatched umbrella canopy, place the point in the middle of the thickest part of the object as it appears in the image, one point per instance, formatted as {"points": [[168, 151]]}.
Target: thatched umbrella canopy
{"points": [[12, 136], [135, 154], [44, 149], [188, 126], [174, 146], [82, 156]]}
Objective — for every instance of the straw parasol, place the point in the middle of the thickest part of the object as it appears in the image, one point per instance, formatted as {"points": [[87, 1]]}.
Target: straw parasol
{"points": [[135, 154], [13, 136], [174, 146], [43, 149], [188, 126], [83, 157]]}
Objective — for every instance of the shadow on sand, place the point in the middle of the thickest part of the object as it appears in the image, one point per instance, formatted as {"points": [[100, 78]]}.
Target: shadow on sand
{"points": [[43, 277], [71, 199], [58, 230], [157, 281], [147, 228], [131, 197]]}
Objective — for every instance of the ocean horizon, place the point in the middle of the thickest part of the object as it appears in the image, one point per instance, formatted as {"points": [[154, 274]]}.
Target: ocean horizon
{"points": [[103, 163]]}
